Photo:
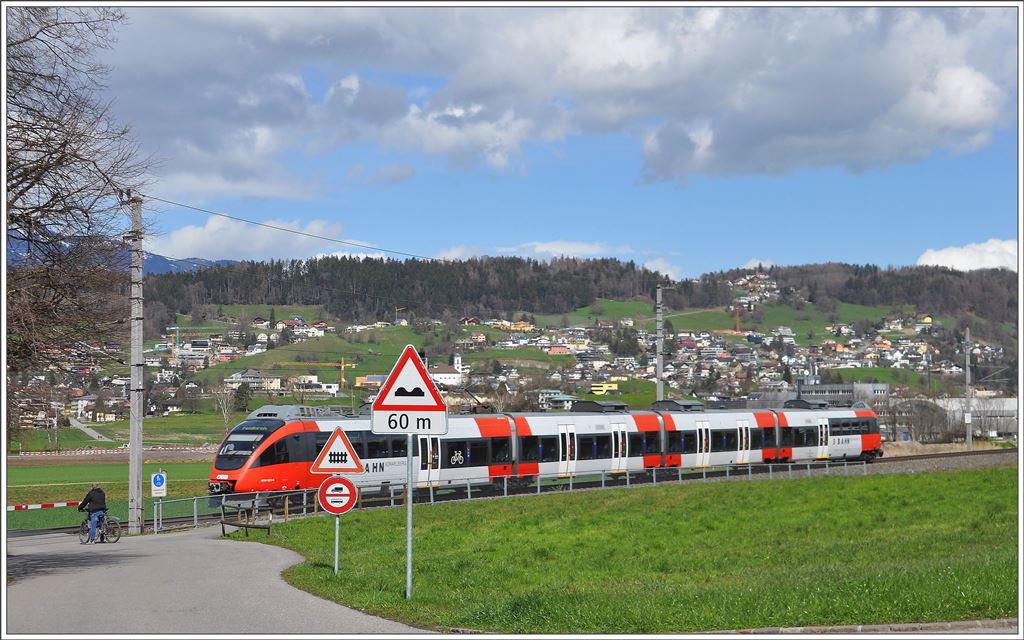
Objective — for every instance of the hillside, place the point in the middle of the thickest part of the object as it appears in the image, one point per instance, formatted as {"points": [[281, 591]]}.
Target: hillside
{"points": [[567, 292]]}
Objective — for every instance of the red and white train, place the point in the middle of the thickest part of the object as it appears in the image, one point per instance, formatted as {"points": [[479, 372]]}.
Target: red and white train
{"points": [[274, 447]]}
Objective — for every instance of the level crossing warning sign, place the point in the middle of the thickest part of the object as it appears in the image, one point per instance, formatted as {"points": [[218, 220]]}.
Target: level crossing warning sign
{"points": [[408, 401], [337, 456]]}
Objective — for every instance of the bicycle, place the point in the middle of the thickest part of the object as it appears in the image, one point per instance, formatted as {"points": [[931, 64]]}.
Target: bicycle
{"points": [[108, 529]]}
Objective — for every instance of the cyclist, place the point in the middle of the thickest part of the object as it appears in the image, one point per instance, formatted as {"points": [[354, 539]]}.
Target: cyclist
{"points": [[95, 502]]}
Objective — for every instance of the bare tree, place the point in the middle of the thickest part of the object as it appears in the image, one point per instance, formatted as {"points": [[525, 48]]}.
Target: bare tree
{"points": [[68, 166], [224, 400]]}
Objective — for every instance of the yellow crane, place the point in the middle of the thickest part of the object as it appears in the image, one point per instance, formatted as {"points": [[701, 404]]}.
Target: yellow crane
{"points": [[340, 364]]}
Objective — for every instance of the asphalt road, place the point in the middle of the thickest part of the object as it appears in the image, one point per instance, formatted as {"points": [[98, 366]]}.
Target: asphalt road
{"points": [[95, 435], [177, 583]]}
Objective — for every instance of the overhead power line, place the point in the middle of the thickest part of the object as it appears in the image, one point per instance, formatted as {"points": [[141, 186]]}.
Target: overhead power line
{"points": [[287, 230]]}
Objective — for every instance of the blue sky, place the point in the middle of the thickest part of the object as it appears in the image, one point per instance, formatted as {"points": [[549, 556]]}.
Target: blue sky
{"points": [[686, 139]]}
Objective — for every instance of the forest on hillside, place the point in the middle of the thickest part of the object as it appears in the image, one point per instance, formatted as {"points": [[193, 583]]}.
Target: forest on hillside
{"points": [[369, 289]]}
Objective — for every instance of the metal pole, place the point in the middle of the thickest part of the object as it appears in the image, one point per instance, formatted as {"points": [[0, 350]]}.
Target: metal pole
{"points": [[135, 503], [967, 389], [660, 384], [195, 512], [337, 524], [408, 522]]}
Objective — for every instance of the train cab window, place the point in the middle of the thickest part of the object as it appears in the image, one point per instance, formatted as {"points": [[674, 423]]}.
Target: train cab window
{"points": [[549, 449], [675, 441], [603, 446], [276, 453], [636, 445], [529, 448], [690, 442], [399, 448], [243, 440], [377, 447], [501, 450]]}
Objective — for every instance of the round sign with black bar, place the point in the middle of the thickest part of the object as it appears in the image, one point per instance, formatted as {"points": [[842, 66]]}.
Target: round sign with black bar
{"points": [[337, 495]]}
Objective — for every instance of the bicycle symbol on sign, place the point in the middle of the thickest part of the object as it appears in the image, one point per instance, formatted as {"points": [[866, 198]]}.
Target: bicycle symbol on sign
{"points": [[457, 458]]}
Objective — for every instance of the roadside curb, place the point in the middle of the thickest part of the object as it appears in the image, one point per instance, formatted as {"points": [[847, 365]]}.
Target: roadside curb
{"points": [[1010, 624]]}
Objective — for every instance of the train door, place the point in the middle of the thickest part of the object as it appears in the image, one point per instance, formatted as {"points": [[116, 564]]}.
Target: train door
{"points": [[703, 443], [566, 449], [743, 440], [823, 435], [430, 458], [618, 448]]}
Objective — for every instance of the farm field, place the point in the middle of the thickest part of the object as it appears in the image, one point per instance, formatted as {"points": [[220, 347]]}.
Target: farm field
{"points": [[622, 561], [46, 440]]}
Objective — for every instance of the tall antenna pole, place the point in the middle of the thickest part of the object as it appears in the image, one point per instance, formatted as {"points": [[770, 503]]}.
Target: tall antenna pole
{"points": [[136, 510], [967, 389]]}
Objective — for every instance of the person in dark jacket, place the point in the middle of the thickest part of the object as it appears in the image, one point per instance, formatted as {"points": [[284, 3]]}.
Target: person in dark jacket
{"points": [[95, 502]]}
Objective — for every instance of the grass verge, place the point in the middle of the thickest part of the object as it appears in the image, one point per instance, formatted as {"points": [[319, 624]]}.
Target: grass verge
{"points": [[682, 558]]}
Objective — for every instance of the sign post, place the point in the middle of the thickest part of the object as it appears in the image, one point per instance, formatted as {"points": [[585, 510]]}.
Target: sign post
{"points": [[337, 495], [158, 485], [409, 403]]}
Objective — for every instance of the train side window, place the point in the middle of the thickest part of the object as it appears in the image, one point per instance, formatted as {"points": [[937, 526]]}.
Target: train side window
{"points": [[548, 449], [398, 446], [588, 447], [529, 448], [455, 453], [276, 453], [786, 439], [604, 446], [501, 450], [755, 439], [717, 441], [732, 441], [652, 443], [675, 442], [320, 441], [424, 457], [767, 438], [477, 453], [377, 447], [690, 442], [299, 446], [636, 445], [872, 426]]}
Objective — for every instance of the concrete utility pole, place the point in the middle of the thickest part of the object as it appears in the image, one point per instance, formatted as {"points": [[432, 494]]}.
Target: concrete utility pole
{"points": [[967, 389], [136, 511], [660, 366]]}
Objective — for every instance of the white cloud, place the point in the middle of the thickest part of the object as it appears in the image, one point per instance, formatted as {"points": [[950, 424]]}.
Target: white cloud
{"points": [[559, 248], [664, 266], [225, 239], [992, 254], [360, 175], [753, 262], [720, 91], [460, 252]]}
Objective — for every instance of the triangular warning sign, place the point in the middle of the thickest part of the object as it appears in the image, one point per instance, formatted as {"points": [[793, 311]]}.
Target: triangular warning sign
{"points": [[337, 456], [408, 387]]}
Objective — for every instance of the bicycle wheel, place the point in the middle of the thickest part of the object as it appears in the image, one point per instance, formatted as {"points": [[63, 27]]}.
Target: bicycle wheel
{"points": [[113, 527], [83, 532]]}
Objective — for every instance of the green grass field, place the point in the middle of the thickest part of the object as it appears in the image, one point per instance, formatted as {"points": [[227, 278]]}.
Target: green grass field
{"points": [[677, 559], [46, 440]]}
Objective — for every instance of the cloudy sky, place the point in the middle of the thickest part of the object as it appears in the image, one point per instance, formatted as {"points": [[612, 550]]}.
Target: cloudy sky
{"points": [[688, 139]]}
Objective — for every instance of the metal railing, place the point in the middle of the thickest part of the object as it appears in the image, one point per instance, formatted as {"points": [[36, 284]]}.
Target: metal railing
{"points": [[187, 512]]}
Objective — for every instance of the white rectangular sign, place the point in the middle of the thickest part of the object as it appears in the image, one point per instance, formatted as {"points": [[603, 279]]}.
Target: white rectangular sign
{"points": [[158, 485]]}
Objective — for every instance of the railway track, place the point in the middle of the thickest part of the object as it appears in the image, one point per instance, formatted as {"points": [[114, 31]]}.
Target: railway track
{"points": [[451, 493]]}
